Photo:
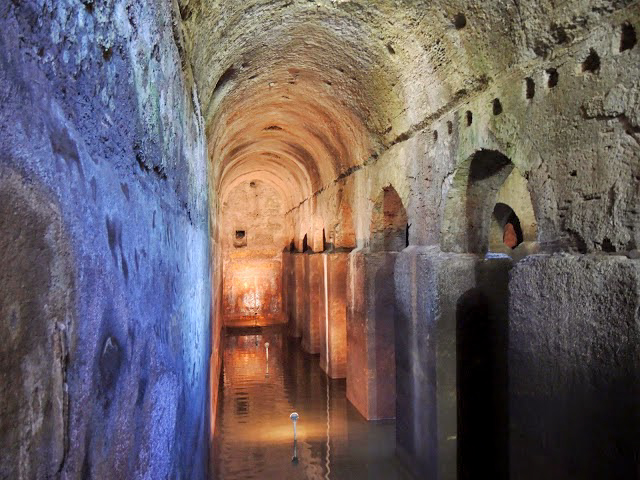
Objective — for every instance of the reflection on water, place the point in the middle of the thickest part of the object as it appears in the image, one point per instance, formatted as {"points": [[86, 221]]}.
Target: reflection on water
{"points": [[254, 434]]}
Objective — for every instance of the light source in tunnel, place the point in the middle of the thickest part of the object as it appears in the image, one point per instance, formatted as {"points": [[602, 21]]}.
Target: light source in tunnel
{"points": [[513, 224], [252, 209], [294, 418], [292, 128], [509, 224], [252, 287]]}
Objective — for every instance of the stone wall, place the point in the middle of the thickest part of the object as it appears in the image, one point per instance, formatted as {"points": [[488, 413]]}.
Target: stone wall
{"points": [[104, 244], [252, 237], [574, 367]]}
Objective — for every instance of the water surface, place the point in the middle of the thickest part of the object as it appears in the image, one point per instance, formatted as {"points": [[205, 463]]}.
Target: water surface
{"points": [[254, 435]]}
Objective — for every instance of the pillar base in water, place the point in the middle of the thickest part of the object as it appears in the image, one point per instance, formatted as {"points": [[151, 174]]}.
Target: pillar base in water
{"points": [[371, 376], [314, 302], [333, 328]]}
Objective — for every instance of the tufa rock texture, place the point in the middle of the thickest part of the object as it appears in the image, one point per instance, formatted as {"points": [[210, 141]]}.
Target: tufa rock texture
{"points": [[156, 156], [104, 244], [574, 359]]}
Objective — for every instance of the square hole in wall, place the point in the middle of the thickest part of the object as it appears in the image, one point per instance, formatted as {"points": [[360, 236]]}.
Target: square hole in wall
{"points": [[240, 239]]}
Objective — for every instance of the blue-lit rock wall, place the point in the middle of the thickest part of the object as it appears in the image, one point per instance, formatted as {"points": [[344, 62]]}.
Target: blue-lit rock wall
{"points": [[104, 244]]}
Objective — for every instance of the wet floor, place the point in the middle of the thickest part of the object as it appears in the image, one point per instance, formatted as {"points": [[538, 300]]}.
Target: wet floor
{"points": [[254, 434]]}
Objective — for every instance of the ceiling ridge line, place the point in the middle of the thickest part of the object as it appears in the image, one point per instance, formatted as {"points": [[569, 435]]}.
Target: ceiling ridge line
{"points": [[459, 98]]}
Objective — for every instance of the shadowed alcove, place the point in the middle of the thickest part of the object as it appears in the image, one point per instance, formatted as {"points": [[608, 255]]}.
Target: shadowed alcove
{"points": [[482, 413], [505, 228], [470, 201], [388, 222], [513, 227]]}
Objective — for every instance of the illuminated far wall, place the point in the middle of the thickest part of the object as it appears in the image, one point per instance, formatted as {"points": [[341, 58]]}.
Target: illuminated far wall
{"points": [[253, 237]]}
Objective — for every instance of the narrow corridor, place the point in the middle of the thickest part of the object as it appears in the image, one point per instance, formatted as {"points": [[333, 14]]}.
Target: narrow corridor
{"points": [[438, 201], [254, 435]]}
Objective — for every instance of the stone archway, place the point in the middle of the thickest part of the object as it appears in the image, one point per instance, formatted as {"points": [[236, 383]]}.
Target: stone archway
{"points": [[470, 202], [513, 227], [388, 222], [371, 359]]}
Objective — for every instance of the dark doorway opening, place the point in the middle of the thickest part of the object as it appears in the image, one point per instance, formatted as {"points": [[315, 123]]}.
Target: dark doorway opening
{"points": [[482, 388]]}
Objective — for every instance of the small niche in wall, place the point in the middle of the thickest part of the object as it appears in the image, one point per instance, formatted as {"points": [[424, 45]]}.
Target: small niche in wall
{"points": [[497, 106], [552, 77], [240, 239], [325, 244], [628, 37], [389, 222], [459, 21], [509, 226], [591, 64], [530, 88]]}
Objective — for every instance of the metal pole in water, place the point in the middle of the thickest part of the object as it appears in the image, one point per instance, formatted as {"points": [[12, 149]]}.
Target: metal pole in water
{"points": [[294, 418], [266, 346]]}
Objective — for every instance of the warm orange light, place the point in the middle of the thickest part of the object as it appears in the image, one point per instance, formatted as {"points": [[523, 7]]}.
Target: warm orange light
{"points": [[252, 286]]}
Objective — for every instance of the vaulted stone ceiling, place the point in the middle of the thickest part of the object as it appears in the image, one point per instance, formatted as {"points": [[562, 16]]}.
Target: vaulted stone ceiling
{"points": [[302, 92]]}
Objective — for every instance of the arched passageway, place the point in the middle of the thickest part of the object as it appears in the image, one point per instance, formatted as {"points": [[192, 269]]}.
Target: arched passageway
{"points": [[288, 125], [490, 188], [513, 228], [388, 222], [506, 228], [284, 132]]}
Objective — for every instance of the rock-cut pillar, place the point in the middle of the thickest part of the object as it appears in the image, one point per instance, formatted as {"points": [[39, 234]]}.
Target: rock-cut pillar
{"points": [[370, 334], [574, 367], [333, 325], [315, 303], [451, 370], [299, 302]]}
